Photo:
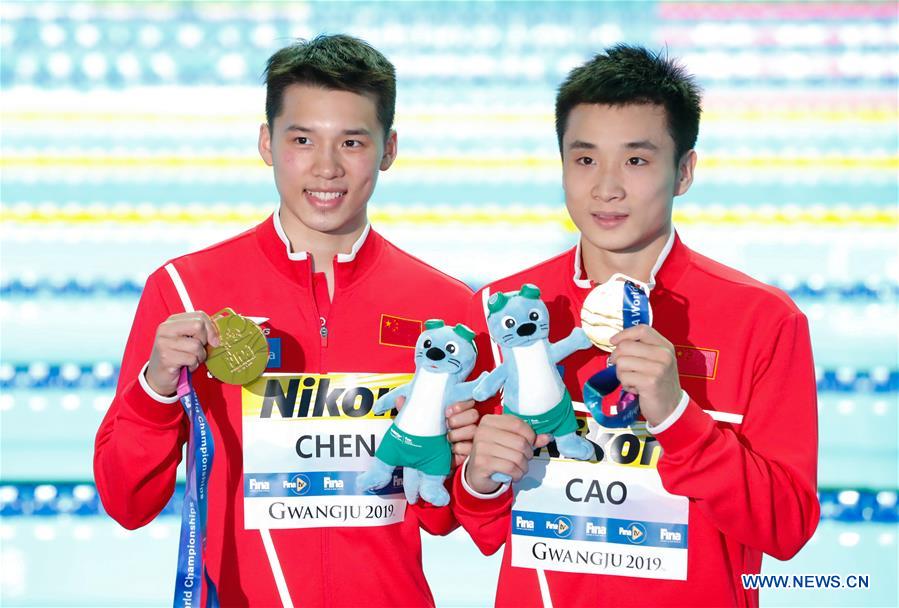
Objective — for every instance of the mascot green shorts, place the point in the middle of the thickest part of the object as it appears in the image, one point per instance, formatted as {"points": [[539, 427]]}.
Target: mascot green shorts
{"points": [[558, 421], [432, 455]]}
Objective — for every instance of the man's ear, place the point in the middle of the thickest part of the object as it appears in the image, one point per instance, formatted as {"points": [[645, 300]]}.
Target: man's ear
{"points": [[265, 144], [390, 149], [685, 172]]}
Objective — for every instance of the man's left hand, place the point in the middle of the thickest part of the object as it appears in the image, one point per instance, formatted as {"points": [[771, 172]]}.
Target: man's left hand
{"points": [[647, 366]]}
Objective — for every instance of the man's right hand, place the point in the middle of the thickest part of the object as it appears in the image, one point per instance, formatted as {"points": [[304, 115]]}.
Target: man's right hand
{"points": [[502, 444], [180, 342]]}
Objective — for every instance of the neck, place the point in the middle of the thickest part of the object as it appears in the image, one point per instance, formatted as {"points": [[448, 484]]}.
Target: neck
{"points": [[601, 264]]}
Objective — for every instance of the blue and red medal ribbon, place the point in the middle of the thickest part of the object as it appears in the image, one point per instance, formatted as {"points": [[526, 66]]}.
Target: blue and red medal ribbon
{"points": [[192, 546], [634, 311]]}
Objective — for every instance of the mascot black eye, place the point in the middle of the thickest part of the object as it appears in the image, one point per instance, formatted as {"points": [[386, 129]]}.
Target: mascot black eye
{"points": [[451, 348], [508, 322], [427, 343], [534, 315]]}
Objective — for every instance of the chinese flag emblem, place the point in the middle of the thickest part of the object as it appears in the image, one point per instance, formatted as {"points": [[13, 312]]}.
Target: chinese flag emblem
{"points": [[696, 362], [397, 331]]}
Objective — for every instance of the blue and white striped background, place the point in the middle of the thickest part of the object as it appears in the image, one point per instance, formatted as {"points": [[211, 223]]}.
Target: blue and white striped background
{"points": [[128, 137]]}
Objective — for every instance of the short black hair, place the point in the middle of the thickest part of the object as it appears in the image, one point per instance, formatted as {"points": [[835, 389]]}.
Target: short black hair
{"points": [[338, 62], [627, 74]]}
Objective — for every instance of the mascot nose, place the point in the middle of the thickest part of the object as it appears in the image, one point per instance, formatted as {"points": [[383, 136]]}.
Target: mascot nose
{"points": [[526, 329], [435, 354]]}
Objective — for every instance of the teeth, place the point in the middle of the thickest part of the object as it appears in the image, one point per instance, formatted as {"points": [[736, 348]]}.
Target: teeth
{"points": [[325, 196]]}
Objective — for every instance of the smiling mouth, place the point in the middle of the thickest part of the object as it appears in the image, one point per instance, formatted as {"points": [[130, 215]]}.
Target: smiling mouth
{"points": [[325, 197]]}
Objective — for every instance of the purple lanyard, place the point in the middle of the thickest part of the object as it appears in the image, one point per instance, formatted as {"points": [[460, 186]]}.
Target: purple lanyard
{"points": [[192, 546]]}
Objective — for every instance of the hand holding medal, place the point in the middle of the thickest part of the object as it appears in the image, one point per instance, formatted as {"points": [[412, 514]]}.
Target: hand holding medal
{"points": [[616, 305], [180, 342], [233, 347]]}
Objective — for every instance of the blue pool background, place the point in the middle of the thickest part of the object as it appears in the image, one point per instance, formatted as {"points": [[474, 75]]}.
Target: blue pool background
{"points": [[129, 137]]}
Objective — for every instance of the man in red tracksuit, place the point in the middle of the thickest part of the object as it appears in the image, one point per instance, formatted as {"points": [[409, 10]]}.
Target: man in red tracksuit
{"points": [[676, 507], [341, 308]]}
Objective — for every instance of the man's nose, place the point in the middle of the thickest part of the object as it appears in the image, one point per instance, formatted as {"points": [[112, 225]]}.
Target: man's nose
{"points": [[608, 186], [327, 165]]}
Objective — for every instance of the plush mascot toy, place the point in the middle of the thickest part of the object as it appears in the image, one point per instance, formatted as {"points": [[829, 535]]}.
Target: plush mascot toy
{"points": [[444, 356], [532, 388]]}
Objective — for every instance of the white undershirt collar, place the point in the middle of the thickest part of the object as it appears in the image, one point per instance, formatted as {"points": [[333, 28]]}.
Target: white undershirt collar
{"points": [[299, 256], [586, 284]]}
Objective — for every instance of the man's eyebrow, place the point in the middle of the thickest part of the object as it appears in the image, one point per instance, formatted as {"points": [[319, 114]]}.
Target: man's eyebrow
{"points": [[302, 129], [577, 144], [643, 144]]}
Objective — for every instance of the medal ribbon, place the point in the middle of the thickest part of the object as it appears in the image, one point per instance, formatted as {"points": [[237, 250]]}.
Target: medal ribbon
{"points": [[634, 311], [192, 546]]}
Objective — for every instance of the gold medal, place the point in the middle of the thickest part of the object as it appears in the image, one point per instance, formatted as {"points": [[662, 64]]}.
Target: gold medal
{"points": [[243, 353], [602, 315]]}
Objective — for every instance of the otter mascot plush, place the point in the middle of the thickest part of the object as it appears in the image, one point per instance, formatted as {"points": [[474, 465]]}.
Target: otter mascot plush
{"points": [[444, 356], [532, 388]]}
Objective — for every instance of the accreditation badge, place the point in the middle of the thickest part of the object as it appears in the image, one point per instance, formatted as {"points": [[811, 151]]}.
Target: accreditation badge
{"points": [[306, 437], [607, 516]]}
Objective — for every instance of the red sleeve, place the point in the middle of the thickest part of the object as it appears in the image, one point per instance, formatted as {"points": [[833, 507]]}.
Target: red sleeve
{"points": [[758, 486], [437, 521], [138, 446], [486, 520]]}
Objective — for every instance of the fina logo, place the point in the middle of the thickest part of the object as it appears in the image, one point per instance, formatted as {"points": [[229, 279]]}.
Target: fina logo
{"points": [[333, 484], [259, 486], [299, 485], [523, 523], [561, 526], [670, 536], [635, 533]]}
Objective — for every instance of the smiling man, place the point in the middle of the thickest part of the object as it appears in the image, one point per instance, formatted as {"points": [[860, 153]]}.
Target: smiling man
{"points": [[341, 309], [722, 467]]}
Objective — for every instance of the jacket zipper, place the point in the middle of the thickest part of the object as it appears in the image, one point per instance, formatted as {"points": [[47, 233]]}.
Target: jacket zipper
{"points": [[323, 323], [324, 535], [323, 332]]}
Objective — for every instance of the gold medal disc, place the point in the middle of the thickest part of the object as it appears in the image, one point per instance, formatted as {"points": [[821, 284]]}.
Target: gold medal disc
{"points": [[243, 353]]}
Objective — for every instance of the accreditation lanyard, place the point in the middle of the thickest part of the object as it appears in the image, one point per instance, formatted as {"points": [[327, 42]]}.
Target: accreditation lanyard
{"points": [[192, 546], [635, 311]]}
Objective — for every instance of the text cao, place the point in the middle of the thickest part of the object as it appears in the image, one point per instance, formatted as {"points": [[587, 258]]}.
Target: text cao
{"points": [[578, 490]]}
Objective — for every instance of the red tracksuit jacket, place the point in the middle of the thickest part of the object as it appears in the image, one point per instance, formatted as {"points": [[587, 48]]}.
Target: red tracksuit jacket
{"points": [[744, 451], [381, 297]]}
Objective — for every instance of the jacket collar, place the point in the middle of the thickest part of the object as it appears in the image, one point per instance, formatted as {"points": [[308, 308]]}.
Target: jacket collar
{"points": [[297, 265], [668, 268]]}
